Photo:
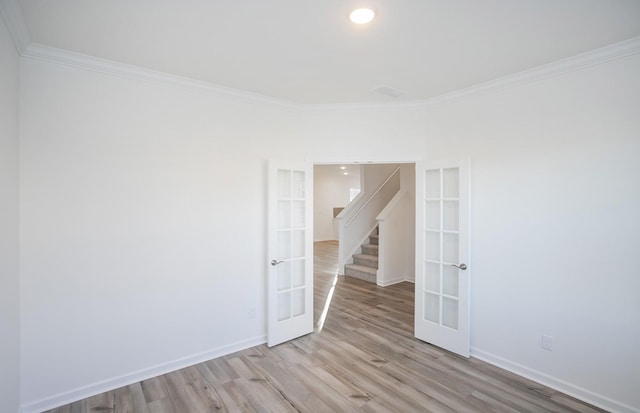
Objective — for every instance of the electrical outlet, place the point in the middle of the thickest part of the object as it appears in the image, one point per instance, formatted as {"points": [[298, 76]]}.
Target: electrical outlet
{"points": [[547, 342], [252, 313]]}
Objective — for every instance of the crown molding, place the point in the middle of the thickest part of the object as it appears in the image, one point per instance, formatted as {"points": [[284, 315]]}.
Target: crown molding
{"points": [[49, 54], [37, 51], [581, 61], [11, 13]]}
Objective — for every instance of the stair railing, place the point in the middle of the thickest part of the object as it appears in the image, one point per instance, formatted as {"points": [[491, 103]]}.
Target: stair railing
{"points": [[358, 219], [364, 205]]}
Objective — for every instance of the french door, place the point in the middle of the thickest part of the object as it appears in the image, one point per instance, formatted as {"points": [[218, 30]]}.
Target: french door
{"points": [[442, 254], [290, 251]]}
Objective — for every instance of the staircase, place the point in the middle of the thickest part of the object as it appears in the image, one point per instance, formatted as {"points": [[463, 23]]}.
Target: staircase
{"points": [[365, 265]]}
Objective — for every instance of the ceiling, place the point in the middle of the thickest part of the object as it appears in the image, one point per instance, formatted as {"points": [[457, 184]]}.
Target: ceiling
{"points": [[307, 51]]}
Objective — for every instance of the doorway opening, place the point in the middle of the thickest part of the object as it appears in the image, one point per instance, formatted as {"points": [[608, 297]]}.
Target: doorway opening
{"points": [[357, 186], [441, 194]]}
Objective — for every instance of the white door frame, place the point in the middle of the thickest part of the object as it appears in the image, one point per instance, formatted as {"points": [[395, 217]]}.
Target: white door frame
{"points": [[321, 161], [413, 161]]}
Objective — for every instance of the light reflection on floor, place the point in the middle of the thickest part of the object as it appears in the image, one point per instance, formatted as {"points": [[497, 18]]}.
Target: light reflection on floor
{"points": [[327, 304]]}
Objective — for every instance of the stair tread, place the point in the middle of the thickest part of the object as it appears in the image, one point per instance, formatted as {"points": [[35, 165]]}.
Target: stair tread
{"points": [[361, 268], [367, 257], [370, 249]]}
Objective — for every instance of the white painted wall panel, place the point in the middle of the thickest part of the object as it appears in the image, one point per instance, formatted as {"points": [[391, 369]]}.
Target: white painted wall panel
{"points": [[144, 228], [9, 271], [555, 225], [143, 237]]}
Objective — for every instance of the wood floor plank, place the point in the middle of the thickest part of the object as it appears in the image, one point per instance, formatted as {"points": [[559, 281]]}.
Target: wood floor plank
{"points": [[240, 400], [161, 406], [130, 399], [153, 389], [364, 359]]}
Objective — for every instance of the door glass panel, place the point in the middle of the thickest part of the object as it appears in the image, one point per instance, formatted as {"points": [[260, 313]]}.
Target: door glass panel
{"points": [[432, 245], [284, 275], [284, 305], [297, 270], [290, 282], [298, 302], [432, 214], [432, 307], [450, 312], [284, 245], [450, 280], [450, 180], [297, 244], [442, 289], [297, 188], [298, 214], [432, 184], [432, 277], [450, 248], [450, 215], [284, 184], [284, 214]]}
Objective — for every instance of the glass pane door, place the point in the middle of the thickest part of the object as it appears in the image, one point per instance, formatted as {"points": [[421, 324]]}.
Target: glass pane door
{"points": [[442, 246], [290, 282], [441, 206]]}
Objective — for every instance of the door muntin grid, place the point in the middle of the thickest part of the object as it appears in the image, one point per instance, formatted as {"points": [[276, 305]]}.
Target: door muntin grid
{"points": [[441, 247], [290, 247]]}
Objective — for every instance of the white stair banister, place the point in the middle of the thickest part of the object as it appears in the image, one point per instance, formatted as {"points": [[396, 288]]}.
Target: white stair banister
{"points": [[358, 219]]}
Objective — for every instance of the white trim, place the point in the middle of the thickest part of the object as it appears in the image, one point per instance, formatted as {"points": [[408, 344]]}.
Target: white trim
{"points": [[391, 282], [591, 58], [581, 61], [38, 51], [554, 383], [355, 214], [11, 13], [84, 392]]}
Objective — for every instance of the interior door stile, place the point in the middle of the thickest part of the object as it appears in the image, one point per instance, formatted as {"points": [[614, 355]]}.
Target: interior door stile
{"points": [[290, 246], [442, 253]]}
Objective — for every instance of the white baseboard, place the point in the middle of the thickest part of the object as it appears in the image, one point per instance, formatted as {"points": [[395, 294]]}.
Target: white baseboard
{"points": [[390, 282], [80, 393], [395, 281], [555, 383]]}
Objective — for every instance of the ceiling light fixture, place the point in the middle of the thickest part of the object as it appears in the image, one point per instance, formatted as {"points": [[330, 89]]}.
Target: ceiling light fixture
{"points": [[362, 16]]}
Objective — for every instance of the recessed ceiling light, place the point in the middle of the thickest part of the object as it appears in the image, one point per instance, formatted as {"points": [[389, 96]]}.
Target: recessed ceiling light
{"points": [[343, 167], [345, 173], [362, 16]]}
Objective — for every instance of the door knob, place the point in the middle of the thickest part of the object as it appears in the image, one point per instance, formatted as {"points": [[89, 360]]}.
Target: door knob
{"points": [[275, 262], [462, 266]]}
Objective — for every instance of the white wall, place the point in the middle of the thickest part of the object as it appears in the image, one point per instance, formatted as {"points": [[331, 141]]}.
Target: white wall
{"points": [[555, 223], [374, 176], [137, 250], [397, 232], [143, 236], [9, 276], [331, 190]]}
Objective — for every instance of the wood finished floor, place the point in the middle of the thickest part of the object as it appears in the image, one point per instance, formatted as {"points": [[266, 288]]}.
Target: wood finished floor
{"points": [[365, 359]]}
